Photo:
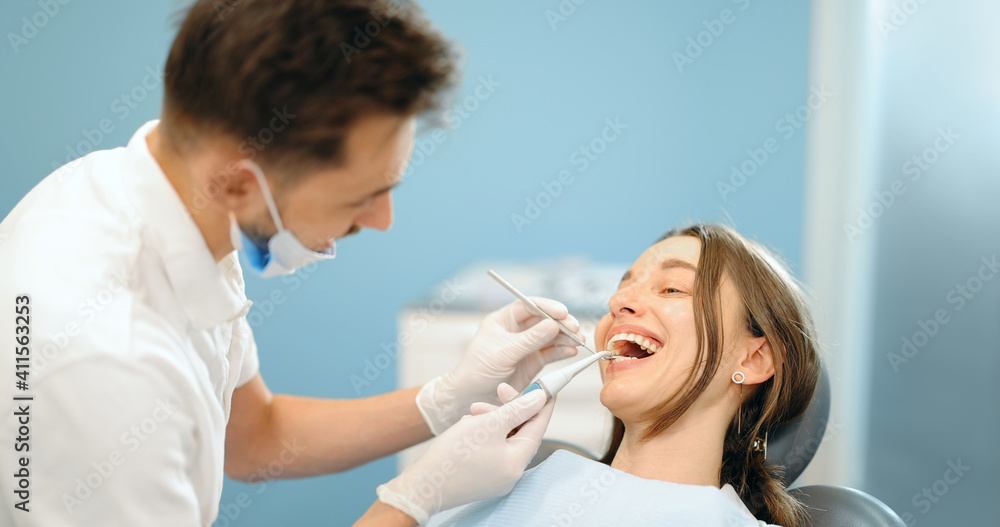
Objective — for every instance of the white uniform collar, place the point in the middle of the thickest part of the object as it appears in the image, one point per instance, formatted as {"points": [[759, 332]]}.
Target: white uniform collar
{"points": [[202, 288]]}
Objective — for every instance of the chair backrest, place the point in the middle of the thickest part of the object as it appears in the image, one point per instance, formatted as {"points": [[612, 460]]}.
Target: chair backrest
{"points": [[832, 506], [794, 444]]}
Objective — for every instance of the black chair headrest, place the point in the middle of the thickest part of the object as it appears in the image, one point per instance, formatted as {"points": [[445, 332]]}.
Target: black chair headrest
{"points": [[794, 444]]}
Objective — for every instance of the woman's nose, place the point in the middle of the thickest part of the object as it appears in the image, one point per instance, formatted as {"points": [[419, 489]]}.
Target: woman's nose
{"points": [[625, 302]]}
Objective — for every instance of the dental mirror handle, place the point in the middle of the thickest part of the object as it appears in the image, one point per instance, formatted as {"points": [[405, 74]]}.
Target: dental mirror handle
{"points": [[538, 309], [553, 382]]}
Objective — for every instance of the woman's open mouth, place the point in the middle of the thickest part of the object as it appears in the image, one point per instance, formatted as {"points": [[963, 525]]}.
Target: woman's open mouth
{"points": [[630, 348]]}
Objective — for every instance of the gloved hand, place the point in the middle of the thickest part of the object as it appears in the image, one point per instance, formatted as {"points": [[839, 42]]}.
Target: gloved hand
{"points": [[511, 345], [506, 392], [473, 460]]}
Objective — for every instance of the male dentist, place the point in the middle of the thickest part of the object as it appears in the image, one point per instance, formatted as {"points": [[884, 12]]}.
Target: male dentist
{"points": [[134, 373]]}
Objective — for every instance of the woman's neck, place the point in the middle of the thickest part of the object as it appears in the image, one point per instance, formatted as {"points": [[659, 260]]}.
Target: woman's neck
{"points": [[687, 453]]}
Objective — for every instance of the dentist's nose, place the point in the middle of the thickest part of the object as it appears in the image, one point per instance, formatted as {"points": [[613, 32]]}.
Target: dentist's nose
{"points": [[378, 215]]}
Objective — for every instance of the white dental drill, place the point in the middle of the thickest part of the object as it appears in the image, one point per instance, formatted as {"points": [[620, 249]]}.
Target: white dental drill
{"points": [[553, 382]]}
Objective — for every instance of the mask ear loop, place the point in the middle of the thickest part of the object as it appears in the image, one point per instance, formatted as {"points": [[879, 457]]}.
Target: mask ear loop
{"points": [[739, 411], [262, 181], [235, 234]]}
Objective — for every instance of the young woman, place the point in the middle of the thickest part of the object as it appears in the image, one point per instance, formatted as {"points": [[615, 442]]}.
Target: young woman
{"points": [[713, 347]]}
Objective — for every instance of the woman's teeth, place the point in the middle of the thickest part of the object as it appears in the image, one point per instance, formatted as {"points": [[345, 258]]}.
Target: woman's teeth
{"points": [[647, 345]]}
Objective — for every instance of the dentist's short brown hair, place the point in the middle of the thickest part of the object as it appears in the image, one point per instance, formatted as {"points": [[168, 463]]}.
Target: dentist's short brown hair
{"points": [[286, 78]]}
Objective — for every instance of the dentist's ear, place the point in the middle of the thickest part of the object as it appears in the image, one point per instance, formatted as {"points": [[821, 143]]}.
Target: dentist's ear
{"points": [[234, 187], [758, 362]]}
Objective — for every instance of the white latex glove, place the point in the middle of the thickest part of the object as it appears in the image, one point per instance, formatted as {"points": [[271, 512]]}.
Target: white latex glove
{"points": [[511, 345], [473, 460], [506, 392]]}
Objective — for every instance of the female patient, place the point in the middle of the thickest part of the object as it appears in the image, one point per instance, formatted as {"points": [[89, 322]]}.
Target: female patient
{"points": [[714, 347]]}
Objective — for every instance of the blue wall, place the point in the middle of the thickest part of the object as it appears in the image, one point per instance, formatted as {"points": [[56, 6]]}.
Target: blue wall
{"points": [[605, 60]]}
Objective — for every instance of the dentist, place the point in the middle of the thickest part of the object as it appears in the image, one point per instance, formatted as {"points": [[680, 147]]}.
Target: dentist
{"points": [[285, 126]]}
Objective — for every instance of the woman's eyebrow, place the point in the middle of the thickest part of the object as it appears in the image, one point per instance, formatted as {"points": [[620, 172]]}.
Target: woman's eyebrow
{"points": [[669, 263]]}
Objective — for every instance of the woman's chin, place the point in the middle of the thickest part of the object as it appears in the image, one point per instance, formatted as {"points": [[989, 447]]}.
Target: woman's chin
{"points": [[618, 399]]}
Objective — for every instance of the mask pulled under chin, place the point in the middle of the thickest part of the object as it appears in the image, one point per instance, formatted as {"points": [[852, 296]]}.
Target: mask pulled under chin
{"points": [[283, 256], [284, 253]]}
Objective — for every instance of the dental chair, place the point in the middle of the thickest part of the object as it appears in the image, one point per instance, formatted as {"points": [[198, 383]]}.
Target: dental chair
{"points": [[793, 446]]}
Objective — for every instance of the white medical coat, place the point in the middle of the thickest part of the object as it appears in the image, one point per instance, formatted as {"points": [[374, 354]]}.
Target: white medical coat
{"points": [[137, 340]]}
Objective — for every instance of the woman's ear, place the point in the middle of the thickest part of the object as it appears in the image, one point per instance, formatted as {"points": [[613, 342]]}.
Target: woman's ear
{"points": [[758, 363]]}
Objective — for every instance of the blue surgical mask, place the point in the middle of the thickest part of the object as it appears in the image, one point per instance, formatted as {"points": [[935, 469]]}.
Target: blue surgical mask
{"points": [[284, 253]]}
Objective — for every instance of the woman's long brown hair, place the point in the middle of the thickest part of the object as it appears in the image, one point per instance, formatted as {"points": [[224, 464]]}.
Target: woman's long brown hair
{"points": [[774, 308]]}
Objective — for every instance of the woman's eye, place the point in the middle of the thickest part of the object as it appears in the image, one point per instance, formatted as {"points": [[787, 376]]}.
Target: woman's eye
{"points": [[669, 290]]}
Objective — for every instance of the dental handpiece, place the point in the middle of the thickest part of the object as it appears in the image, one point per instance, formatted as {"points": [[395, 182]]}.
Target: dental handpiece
{"points": [[551, 383]]}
